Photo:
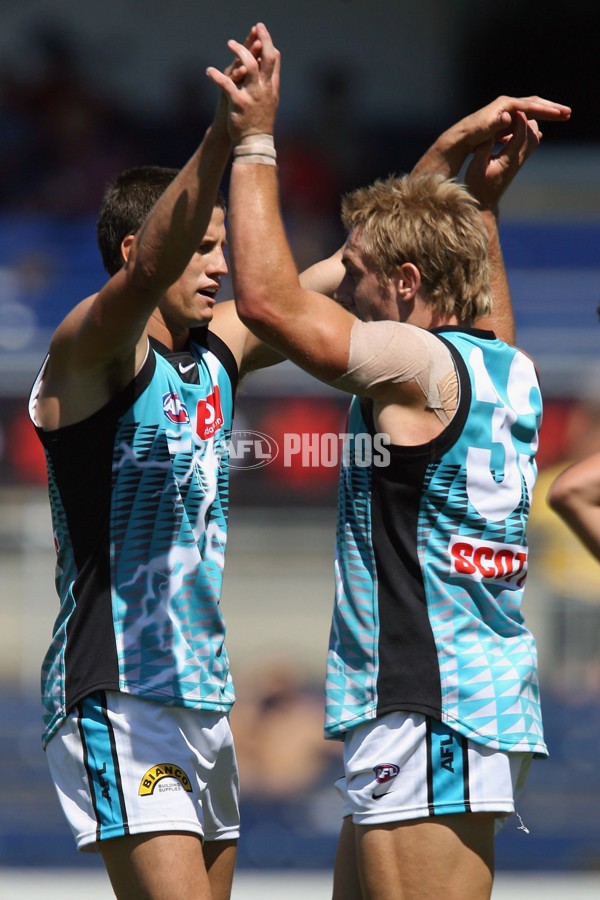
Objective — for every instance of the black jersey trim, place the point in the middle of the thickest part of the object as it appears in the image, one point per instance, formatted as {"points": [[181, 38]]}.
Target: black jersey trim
{"points": [[483, 333], [220, 349], [433, 449], [71, 448], [82, 454], [408, 660], [208, 340], [183, 361]]}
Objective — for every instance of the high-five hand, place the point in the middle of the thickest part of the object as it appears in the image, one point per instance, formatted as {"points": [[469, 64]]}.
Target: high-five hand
{"points": [[253, 99]]}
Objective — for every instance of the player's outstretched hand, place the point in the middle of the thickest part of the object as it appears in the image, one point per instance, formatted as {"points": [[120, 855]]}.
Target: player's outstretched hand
{"points": [[252, 85], [489, 173], [493, 122]]}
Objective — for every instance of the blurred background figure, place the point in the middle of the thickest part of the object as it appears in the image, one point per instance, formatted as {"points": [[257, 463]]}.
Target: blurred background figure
{"points": [[288, 804], [562, 569]]}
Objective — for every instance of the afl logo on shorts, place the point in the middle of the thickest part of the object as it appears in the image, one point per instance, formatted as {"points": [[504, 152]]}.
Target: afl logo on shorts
{"points": [[157, 773], [174, 409], [385, 772]]}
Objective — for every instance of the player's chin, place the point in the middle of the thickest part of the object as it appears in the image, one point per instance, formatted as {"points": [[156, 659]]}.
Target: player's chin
{"points": [[202, 318], [204, 307]]}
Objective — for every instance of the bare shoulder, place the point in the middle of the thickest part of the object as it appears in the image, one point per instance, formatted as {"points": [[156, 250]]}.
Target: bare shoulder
{"points": [[75, 383], [65, 349], [249, 351], [227, 325]]}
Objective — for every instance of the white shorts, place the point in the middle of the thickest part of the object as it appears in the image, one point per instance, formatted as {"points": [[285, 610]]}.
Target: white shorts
{"points": [[124, 765], [408, 766]]}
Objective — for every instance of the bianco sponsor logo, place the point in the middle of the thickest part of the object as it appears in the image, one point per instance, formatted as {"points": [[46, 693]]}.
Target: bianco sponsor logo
{"points": [[157, 773], [504, 564]]}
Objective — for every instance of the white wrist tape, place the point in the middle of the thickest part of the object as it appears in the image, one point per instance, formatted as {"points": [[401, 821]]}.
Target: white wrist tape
{"points": [[256, 148]]}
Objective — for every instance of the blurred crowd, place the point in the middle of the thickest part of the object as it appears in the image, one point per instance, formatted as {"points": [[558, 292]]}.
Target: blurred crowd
{"points": [[63, 136]]}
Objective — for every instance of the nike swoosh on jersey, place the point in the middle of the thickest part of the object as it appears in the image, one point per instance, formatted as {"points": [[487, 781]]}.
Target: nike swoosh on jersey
{"points": [[183, 369]]}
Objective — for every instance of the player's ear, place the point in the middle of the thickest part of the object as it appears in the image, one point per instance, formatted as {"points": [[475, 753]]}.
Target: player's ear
{"points": [[408, 281], [126, 244]]}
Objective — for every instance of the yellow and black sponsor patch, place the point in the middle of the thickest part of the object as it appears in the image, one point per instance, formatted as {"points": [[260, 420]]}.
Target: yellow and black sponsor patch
{"points": [[160, 771]]}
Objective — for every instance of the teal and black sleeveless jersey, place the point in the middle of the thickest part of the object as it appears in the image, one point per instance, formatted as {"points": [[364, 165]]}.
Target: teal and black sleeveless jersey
{"points": [[431, 562], [139, 500]]}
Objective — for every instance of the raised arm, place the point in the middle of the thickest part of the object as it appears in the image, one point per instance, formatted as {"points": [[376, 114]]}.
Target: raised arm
{"points": [[488, 176], [250, 351], [105, 330], [509, 122], [490, 123], [102, 342], [304, 325]]}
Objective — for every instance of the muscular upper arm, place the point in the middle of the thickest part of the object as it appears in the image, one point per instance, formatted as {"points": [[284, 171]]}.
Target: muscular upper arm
{"points": [[316, 336], [387, 360], [103, 332], [306, 327], [249, 351], [95, 351]]}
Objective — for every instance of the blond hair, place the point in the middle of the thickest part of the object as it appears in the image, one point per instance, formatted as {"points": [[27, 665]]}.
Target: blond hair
{"points": [[434, 223]]}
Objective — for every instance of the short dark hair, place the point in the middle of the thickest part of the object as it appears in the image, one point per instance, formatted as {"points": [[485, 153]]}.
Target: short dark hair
{"points": [[127, 201]]}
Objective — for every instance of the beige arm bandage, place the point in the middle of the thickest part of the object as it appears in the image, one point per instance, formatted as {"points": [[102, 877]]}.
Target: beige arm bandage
{"points": [[394, 352]]}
